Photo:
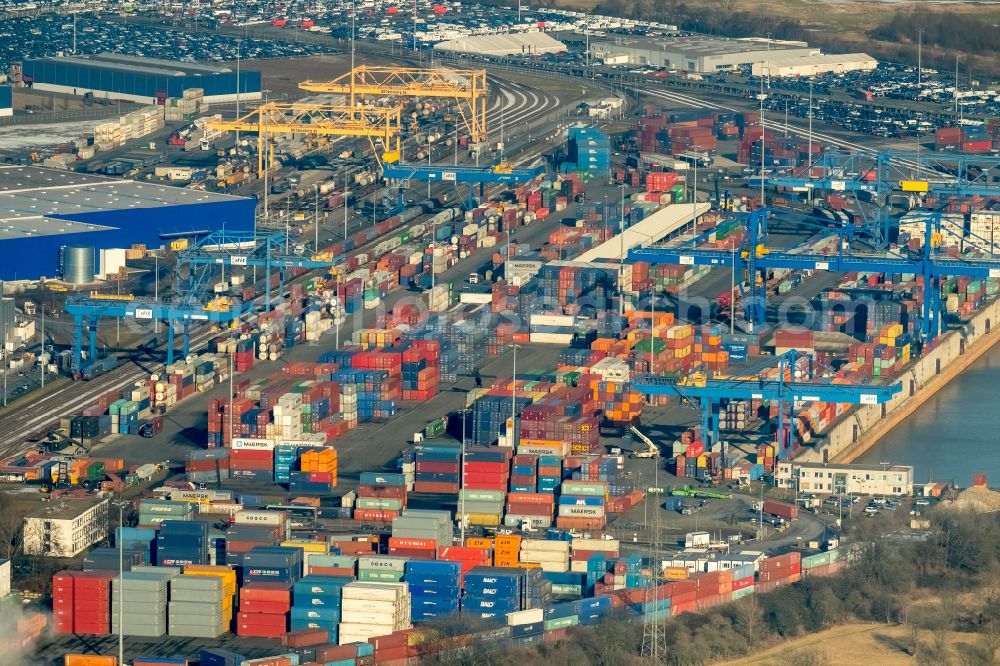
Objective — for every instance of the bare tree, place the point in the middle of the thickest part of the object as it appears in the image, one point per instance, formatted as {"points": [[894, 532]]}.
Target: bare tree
{"points": [[750, 619]]}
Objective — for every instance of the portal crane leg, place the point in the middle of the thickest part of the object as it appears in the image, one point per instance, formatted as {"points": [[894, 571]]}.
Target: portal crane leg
{"points": [[92, 335], [77, 342], [186, 338], [170, 342], [709, 421]]}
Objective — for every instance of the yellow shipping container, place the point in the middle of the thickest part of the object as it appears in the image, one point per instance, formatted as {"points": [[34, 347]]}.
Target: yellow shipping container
{"points": [[308, 546], [676, 573], [484, 519]]}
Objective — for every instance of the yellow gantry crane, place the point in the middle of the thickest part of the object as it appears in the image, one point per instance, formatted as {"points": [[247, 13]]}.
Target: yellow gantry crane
{"points": [[466, 86], [379, 124]]}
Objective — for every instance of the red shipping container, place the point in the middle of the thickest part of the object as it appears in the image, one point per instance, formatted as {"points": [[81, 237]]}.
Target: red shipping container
{"points": [[277, 592]]}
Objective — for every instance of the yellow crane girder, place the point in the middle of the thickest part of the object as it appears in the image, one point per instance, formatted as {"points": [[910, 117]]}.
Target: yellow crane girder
{"points": [[374, 122], [466, 86]]}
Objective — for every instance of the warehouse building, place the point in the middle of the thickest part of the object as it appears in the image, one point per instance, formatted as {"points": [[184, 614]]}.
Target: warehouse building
{"points": [[703, 55], [6, 101], [856, 479], [144, 80], [513, 43], [45, 211], [66, 527], [832, 63]]}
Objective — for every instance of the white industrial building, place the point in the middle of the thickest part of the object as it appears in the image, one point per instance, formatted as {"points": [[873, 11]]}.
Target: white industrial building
{"points": [[66, 527], [831, 63], [704, 55], [511, 43], [826, 478]]}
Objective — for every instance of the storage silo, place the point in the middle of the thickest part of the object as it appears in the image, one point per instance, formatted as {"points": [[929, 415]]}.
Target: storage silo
{"points": [[78, 264]]}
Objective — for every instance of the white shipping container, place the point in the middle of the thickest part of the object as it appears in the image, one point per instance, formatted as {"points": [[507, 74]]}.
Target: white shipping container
{"points": [[256, 517], [372, 591], [603, 545], [552, 338], [581, 511], [382, 563], [552, 320], [252, 444], [525, 617], [545, 545]]}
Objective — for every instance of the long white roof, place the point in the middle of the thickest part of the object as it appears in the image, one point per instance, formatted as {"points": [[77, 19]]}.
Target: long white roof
{"points": [[510, 43]]}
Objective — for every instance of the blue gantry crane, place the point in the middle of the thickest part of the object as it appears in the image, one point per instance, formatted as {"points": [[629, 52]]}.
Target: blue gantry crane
{"points": [[470, 175], [874, 177], [754, 258], [271, 251], [785, 388], [87, 310]]}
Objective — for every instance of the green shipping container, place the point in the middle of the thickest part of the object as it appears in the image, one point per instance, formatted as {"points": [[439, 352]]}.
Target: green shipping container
{"points": [[562, 622], [379, 576]]}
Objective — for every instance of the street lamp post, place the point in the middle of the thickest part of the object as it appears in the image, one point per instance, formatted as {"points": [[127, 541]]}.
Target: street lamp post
{"points": [[461, 487], [513, 398]]}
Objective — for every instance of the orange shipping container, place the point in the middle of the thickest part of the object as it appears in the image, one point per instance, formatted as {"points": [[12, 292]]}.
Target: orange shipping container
{"points": [[89, 660]]}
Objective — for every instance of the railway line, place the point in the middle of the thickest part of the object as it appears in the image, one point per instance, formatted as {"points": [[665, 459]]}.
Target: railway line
{"points": [[521, 104]]}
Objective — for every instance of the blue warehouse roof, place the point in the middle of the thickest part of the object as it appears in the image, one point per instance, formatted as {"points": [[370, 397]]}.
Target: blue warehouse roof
{"points": [[44, 209]]}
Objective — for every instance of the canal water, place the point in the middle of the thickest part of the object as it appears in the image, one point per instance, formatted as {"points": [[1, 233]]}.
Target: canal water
{"points": [[953, 435]]}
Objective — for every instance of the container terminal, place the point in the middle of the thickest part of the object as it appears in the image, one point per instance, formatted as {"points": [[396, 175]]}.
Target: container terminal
{"points": [[528, 340]]}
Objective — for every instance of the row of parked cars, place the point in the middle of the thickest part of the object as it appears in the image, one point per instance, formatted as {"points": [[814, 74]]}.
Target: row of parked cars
{"points": [[49, 34]]}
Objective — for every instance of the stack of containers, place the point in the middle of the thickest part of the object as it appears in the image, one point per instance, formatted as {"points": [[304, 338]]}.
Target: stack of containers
{"points": [[208, 466], [182, 542], [272, 564], [582, 505], [779, 570], [381, 497], [317, 473], [475, 554], [492, 592], [264, 609], [549, 555], [200, 606], [316, 602], [529, 509], [487, 469], [136, 538], [421, 370], [374, 609], [242, 539], [537, 590], [107, 559], [139, 598], [435, 588], [318, 564], [81, 602], [252, 459], [714, 589], [490, 413], [437, 468], [619, 403], [418, 534], [506, 550], [524, 472], [549, 473], [480, 507], [381, 568], [377, 392], [154, 512]]}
